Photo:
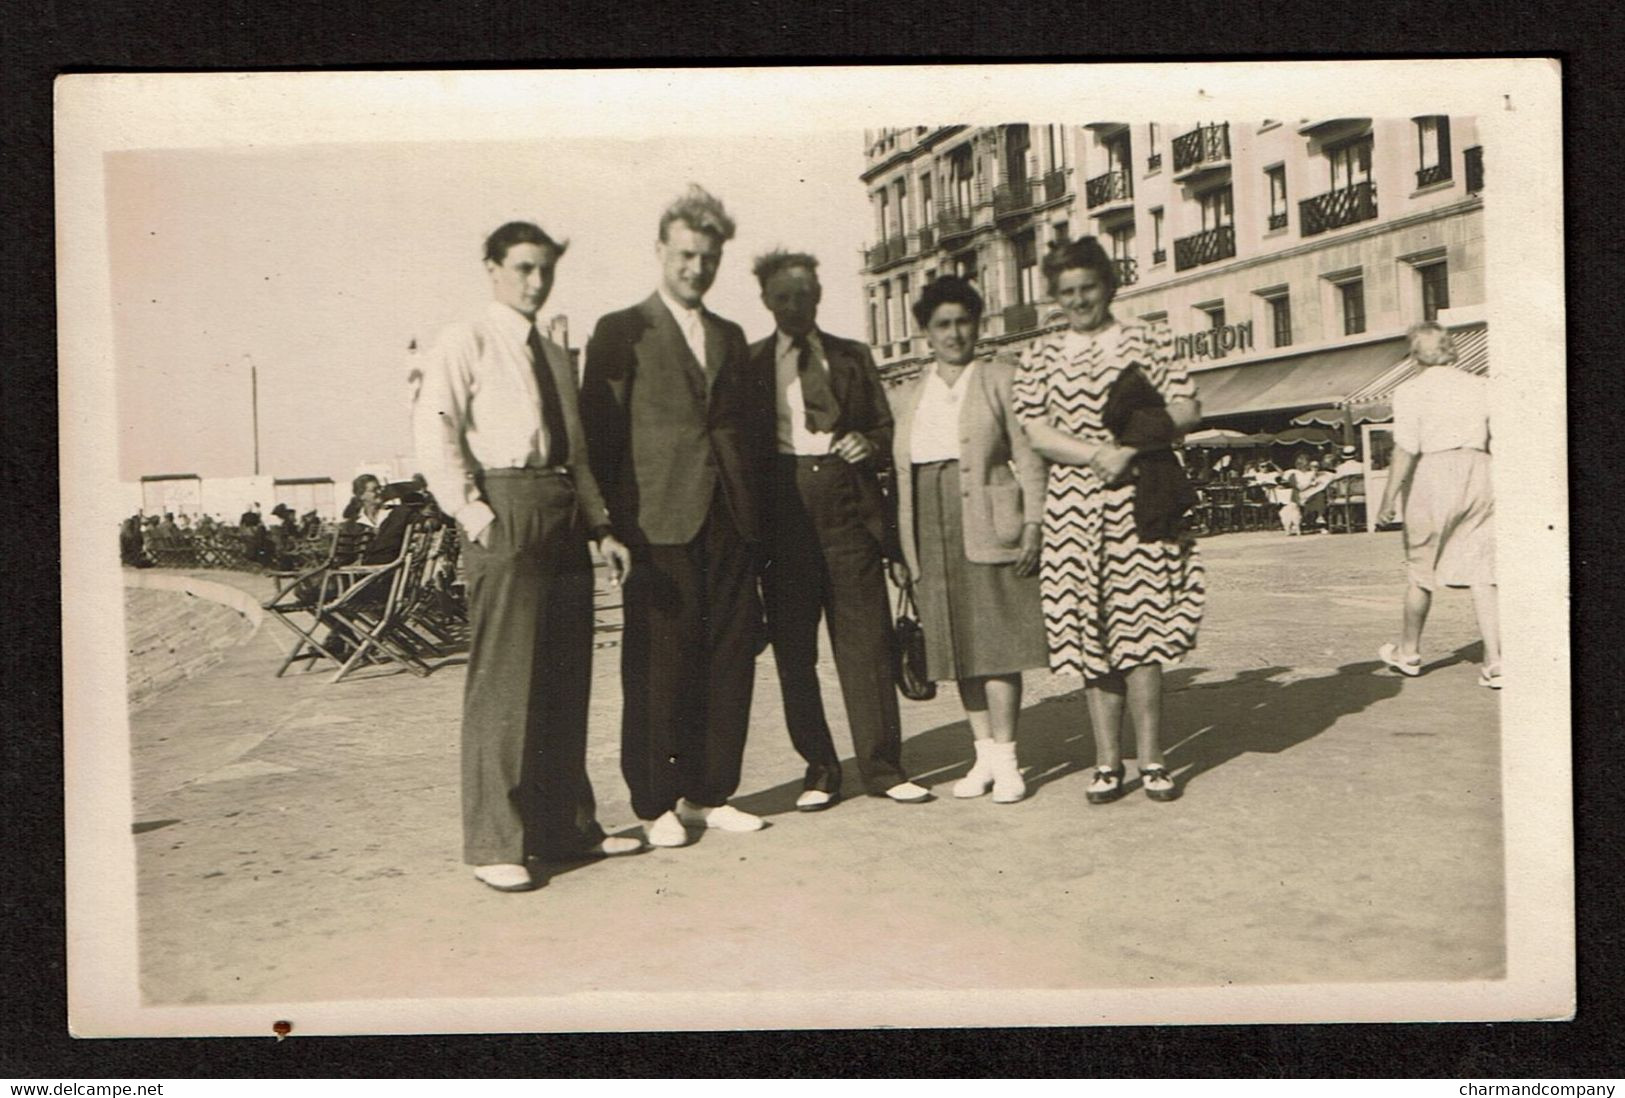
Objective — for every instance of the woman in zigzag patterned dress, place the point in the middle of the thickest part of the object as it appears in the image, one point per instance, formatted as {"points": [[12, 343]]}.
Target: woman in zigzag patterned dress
{"points": [[1116, 608]]}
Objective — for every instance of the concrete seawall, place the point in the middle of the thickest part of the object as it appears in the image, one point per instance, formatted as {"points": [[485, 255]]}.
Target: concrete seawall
{"points": [[178, 626]]}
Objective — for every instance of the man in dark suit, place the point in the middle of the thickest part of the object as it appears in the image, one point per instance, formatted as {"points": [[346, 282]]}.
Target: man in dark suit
{"points": [[829, 535], [678, 431], [499, 437]]}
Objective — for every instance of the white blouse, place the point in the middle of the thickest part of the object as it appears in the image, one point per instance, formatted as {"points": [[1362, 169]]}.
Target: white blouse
{"points": [[936, 417], [1442, 408]]}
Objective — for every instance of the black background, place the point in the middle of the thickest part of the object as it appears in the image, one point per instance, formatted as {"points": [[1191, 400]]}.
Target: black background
{"points": [[51, 38]]}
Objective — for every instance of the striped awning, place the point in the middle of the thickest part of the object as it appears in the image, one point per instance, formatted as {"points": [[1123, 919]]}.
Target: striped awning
{"points": [[1472, 355]]}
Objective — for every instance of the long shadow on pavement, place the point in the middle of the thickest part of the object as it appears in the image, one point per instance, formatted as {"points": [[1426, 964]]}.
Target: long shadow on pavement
{"points": [[1206, 725]]}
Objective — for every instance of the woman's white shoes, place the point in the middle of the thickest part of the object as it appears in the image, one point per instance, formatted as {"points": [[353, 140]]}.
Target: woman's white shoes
{"points": [[1490, 676], [1410, 667], [995, 768]]}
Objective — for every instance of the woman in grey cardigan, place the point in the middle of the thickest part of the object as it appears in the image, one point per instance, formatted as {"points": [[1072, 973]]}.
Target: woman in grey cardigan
{"points": [[970, 502]]}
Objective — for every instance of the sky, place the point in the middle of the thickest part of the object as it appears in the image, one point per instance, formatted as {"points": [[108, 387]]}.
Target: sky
{"points": [[321, 263]]}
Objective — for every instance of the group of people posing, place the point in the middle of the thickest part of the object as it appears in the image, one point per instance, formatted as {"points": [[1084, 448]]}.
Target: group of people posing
{"points": [[741, 494]]}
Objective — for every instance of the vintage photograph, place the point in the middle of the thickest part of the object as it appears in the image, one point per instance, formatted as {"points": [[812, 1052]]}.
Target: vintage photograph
{"points": [[548, 556]]}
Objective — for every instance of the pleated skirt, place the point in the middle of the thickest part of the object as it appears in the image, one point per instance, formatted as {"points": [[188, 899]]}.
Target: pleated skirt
{"points": [[978, 619], [1450, 520]]}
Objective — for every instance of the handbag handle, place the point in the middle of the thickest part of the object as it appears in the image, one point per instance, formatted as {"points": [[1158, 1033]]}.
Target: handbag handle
{"points": [[905, 602]]}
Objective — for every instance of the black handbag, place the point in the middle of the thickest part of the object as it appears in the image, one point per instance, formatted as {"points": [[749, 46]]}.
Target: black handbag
{"points": [[910, 673]]}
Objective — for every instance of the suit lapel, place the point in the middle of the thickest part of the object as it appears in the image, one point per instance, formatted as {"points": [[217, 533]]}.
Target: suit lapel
{"points": [[715, 350], [841, 369], [672, 347]]}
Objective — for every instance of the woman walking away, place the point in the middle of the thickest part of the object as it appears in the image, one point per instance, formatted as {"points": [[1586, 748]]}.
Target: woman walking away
{"points": [[1121, 598], [970, 496], [1441, 454]]}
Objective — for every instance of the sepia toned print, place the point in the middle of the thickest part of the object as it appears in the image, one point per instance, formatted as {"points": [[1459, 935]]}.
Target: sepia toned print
{"points": [[406, 664]]}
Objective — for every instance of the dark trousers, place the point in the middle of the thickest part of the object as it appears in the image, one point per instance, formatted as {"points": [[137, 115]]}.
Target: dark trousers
{"points": [[525, 786], [688, 662], [824, 562]]}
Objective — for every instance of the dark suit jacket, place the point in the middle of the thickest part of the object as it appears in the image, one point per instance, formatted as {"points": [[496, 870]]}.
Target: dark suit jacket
{"points": [[861, 397], [663, 430]]}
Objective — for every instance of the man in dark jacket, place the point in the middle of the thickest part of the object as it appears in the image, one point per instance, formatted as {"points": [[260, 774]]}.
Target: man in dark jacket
{"points": [[679, 431], [829, 536]]}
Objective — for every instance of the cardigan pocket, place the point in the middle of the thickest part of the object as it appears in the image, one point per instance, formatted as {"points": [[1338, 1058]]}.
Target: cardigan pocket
{"points": [[1004, 513]]}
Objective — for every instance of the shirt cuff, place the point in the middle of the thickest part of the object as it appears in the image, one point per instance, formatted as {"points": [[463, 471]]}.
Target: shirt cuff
{"points": [[474, 517]]}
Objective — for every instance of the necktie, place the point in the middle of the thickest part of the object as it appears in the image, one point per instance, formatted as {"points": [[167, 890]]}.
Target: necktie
{"points": [[816, 395], [558, 439]]}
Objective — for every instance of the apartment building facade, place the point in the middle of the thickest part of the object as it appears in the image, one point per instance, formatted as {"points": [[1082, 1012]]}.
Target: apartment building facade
{"points": [[1287, 258]]}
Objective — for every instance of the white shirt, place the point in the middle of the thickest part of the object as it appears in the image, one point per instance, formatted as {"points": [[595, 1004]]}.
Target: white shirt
{"points": [[936, 418], [1442, 408], [793, 435], [480, 408], [689, 323]]}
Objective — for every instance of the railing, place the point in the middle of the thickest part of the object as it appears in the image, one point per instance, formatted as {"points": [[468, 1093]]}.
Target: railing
{"points": [[1278, 221], [1128, 270], [928, 238], [1055, 185], [1159, 255], [1334, 209], [1111, 187], [1202, 146], [887, 251], [952, 221], [1439, 173], [1020, 318], [1474, 159], [1208, 247], [1012, 198], [1153, 163], [875, 255]]}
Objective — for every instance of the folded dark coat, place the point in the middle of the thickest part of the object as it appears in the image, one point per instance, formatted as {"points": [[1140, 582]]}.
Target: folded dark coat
{"points": [[1137, 416]]}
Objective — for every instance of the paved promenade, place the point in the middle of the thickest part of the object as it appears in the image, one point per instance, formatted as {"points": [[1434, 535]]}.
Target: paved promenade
{"points": [[299, 841]]}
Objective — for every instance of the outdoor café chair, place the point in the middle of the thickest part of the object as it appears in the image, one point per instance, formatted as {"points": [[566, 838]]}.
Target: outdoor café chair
{"points": [[302, 594], [373, 608], [1345, 504]]}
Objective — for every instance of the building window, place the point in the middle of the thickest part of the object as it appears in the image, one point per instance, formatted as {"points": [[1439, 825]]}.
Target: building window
{"points": [[1158, 252], [1435, 289], [886, 316], [1214, 313], [1122, 249], [1218, 209], [1061, 234], [1153, 142], [927, 215], [1017, 140], [1432, 150], [961, 169], [902, 205], [1160, 317], [1353, 294], [1026, 247], [1118, 158], [1281, 319], [1277, 181], [1350, 163], [902, 312], [874, 320], [885, 216]]}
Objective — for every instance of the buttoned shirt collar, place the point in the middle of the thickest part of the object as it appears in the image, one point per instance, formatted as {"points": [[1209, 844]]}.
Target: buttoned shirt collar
{"points": [[683, 314], [509, 319]]}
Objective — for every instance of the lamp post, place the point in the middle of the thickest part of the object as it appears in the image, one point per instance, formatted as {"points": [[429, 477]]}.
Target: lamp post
{"points": [[254, 405]]}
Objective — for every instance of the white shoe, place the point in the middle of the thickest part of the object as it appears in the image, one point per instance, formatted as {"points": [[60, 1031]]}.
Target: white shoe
{"points": [[505, 877], [614, 846], [724, 817], [980, 778], [668, 830], [908, 793], [1490, 676], [1409, 666], [1008, 786], [814, 800]]}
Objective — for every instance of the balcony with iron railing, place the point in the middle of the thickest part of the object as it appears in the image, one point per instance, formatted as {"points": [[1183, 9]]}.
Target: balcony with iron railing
{"points": [[953, 221], [1205, 247], [1438, 173], [1473, 159], [1012, 199], [1153, 163], [1277, 221], [1159, 255], [1335, 209], [1128, 270], [928, 238], [1055, 185], [1202, 149], [1110, 189], [1020, 318], [885, 253]]}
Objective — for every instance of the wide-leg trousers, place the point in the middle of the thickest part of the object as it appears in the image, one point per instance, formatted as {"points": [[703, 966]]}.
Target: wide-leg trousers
{"points": [[825, 563], [524, 744], [693, 621]]}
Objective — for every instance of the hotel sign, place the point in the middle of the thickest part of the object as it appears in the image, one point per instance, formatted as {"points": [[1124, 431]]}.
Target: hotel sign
{"points": [[1215, 342]]}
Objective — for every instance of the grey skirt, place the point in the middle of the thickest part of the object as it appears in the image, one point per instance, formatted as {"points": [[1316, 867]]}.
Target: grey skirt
{"points": [[978, 619]]}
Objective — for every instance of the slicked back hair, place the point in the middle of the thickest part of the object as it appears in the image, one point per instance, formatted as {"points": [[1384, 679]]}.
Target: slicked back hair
{"points": [[520, 232]]}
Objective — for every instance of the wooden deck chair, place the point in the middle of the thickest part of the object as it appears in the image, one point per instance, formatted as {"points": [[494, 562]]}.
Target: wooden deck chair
{"points": [[373, 606], [301, 595]]}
